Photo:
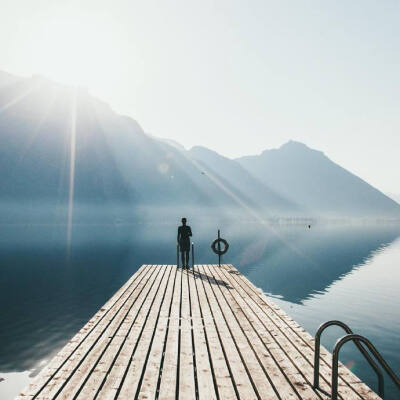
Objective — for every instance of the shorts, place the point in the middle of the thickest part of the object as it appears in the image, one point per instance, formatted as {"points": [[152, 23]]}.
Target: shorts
{"points": [[184, 244]]}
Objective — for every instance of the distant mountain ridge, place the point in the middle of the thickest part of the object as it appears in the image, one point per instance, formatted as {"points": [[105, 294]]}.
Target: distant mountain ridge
{"points": [[49, 131], [256, 194], [394, 196], [311, 179]]}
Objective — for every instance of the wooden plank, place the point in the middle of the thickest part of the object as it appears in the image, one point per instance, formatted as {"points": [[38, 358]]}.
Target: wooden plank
{"points": [[123, 378], [223, 378], [205, 378], [152, 372], [108, 381], [94, 366], [241, 378], [285, 324], [248, 355], [187, 374], [91, 356], [97, 379], [97, 337], [292, 340], [283, 388], [204, 334], [87, 333], [303, 338], [287, 359], [167, 389], [295, 366]]}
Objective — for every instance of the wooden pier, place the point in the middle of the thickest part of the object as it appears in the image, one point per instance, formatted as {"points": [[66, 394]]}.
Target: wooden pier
{"points": [[206, 333]]}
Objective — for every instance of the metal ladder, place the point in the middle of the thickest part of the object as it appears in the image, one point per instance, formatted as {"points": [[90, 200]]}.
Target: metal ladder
{"points": [[358, 341]]}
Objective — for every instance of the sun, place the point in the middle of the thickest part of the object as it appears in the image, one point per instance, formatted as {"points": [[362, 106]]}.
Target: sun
{"points": [[79, 50]]}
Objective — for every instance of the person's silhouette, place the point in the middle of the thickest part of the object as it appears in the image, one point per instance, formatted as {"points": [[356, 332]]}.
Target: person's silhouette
{"points": [[184, 233]]}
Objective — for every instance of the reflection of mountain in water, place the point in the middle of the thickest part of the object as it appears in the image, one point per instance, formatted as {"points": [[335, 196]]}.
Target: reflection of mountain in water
{"points": [[303, 263]]}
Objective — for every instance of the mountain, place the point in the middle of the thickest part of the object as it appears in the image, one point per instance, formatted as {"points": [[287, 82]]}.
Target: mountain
{"points": [[63, 150], [394, 196], [255, 194], [49, 130], [316, 183]]}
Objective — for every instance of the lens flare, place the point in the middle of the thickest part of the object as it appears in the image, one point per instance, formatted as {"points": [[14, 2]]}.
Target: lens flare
{"points": [[350, 365], [20, 97], [163, 168]]}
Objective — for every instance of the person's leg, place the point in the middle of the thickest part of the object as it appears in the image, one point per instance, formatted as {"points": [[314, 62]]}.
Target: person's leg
{"points": [[187, 258], [183, 258]]}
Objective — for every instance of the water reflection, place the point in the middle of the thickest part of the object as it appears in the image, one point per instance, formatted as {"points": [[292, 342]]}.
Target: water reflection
{"points": [[368, 300], [315, 259], [48, 296]]}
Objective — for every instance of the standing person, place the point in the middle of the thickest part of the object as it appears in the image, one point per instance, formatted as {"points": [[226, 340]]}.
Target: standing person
{"points": [[184, 233]]}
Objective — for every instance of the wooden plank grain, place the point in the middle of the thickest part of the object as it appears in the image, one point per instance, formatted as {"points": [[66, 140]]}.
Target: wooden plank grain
{"points": [[167, 380], [244, 385], [225, 385], [187, 381], [291, 361], [98, 377], [94, 366], [148, 389], [291, 335], [290, 340], [205, 334], [88, 333], [206, 386], [98, 337], [254, 367], [111, 383], [282, 387], [130, 382]]}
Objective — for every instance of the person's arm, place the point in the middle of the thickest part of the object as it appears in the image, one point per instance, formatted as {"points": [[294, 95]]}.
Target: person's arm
{"points": [[179, 232], [190, 231]]}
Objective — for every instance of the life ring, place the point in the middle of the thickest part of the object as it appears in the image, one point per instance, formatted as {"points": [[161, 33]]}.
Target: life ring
{"points": [[215, 248]]}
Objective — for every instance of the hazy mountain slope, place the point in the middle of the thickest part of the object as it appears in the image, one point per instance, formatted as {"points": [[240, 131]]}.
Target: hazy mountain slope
{"points": [[59, 144], [394, 196], [44, 126], [312, 180], [36, 133], [249, 190]]}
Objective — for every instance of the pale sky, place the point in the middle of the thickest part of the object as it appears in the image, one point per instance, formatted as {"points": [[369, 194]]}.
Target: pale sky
{"points": [[235, 76]]}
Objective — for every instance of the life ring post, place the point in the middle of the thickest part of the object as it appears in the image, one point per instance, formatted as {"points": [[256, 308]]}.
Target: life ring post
{"points": [[216, 247], [219, 249]]}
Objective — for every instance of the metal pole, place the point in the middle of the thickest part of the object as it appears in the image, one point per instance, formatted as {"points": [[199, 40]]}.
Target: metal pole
{"points": [[192, 255], [219, 249]]}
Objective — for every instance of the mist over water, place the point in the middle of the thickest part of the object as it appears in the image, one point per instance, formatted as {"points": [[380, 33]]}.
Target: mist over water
{"points": [[48, 291]]}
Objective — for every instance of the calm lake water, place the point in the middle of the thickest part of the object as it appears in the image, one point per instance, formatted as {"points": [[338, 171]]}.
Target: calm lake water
{"points": [[47, 292]]}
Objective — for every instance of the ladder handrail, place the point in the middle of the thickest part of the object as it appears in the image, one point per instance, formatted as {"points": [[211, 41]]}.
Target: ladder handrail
{"points": [[347, 329], [335, 360]]}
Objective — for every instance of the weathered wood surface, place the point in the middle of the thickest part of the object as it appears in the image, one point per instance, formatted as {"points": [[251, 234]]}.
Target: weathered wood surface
{"points": [[205, 334]]}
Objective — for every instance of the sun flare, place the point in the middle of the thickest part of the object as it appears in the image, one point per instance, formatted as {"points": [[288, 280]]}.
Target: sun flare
{"points": [[75, 50]]}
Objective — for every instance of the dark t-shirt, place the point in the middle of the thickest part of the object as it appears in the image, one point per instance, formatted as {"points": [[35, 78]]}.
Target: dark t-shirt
{"points": [[184, 232]]}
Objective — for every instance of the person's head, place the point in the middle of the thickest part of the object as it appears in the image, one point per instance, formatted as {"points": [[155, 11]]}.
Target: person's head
{"points": [[183, 221]]}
